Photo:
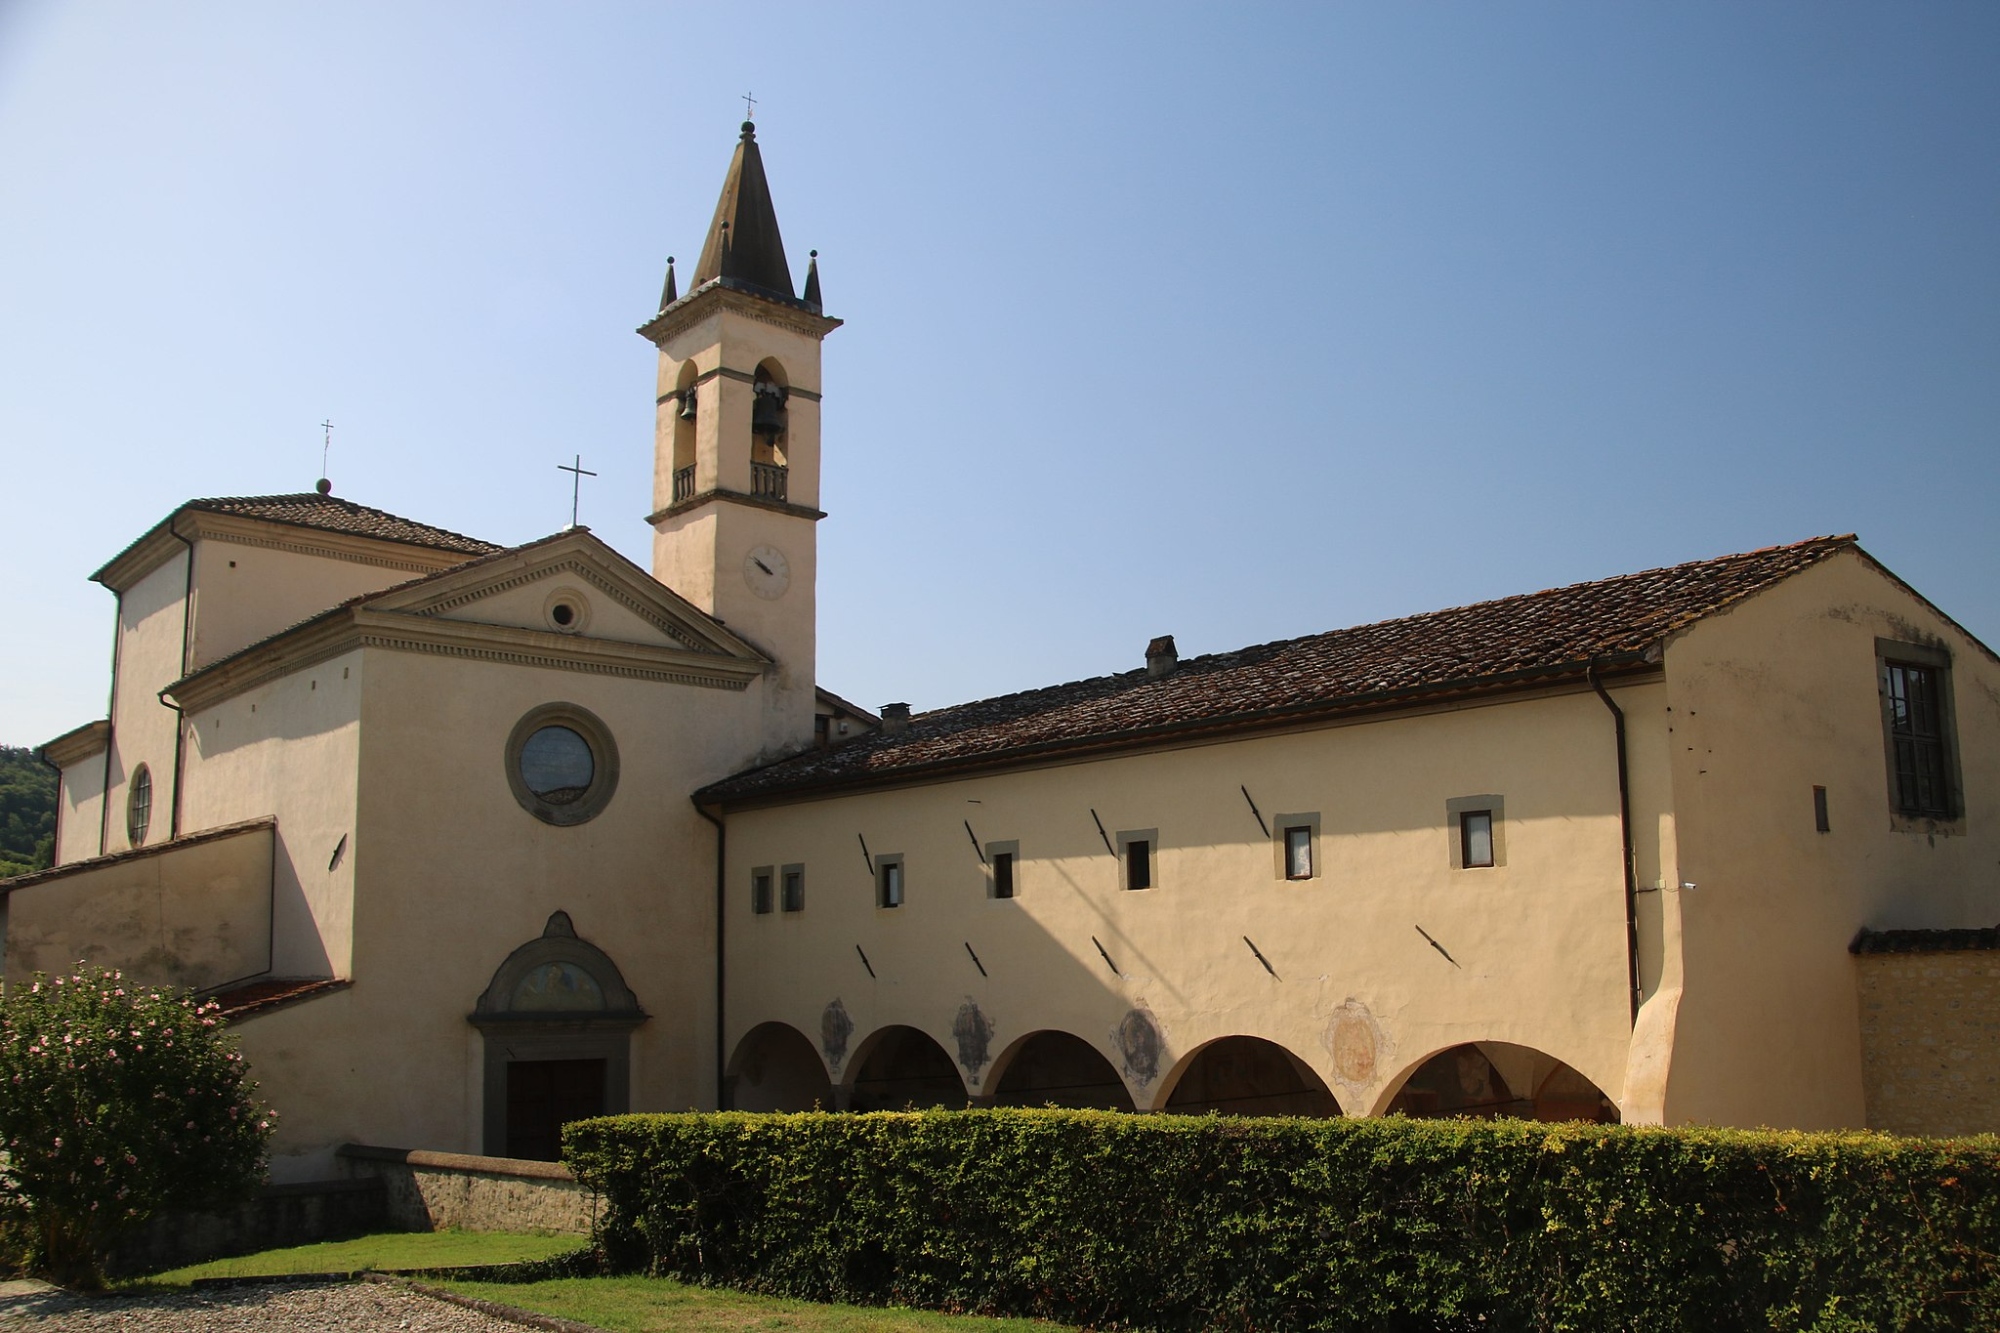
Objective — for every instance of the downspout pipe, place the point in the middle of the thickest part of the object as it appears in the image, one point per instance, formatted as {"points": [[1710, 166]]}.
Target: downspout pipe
{"points": [[180, 718], [721, 961], [1625, 841]]}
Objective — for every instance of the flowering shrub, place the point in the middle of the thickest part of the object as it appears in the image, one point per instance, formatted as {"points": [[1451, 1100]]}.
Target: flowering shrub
{"points": [[116, 1101]]}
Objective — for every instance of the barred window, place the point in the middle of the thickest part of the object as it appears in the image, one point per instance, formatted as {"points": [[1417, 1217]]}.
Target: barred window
{"points": [[139, 806]]}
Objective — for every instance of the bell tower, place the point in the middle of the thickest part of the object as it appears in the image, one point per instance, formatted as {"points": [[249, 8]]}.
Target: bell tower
{"points": [[736, 443]]}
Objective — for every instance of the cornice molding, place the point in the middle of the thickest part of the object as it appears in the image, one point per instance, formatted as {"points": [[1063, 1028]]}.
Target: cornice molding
{"points": [[399, 631], [733, 497], [676, 630], [712, 297], [165, 540], [73, 747], [730, 373]]}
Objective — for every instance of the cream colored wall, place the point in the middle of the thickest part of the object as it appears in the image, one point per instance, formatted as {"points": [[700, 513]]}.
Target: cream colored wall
{"points": [[1769, 700], [245, 593], [700, 554], [1539, 943], [290, 748], [150, 631], [195, 916], [453, 875], [80, 812]]}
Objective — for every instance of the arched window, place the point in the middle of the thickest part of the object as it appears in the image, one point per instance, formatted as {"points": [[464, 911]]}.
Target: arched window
{"points": [[768, 461], [139, 805], [687, 411], [558, 1020]]}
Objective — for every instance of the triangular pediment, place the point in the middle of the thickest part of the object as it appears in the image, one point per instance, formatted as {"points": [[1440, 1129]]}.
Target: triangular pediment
{"points": [[572, 586]]}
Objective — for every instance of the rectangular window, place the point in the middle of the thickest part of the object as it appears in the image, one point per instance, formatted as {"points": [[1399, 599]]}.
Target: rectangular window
{"points": [[794, 897], [888, 881], [1917, 740], [1298, 853], [1003, 874], [760, 891], [1819, 811], [1138, 864], [1475, 838]]}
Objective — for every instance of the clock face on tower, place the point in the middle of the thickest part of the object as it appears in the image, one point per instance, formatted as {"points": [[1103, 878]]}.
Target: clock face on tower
{"points": [[767, 572]]}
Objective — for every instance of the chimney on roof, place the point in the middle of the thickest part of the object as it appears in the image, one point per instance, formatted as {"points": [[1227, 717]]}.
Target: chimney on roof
{"points": [[1161, 657], [895, 719]]}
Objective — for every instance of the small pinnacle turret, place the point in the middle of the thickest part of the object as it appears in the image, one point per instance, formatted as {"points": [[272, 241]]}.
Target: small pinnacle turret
{"points": [[671, 292], [811, 297]]}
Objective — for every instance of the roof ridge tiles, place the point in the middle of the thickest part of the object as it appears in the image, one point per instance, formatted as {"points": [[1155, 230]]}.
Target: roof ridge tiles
{"points": [[1506, 642]]}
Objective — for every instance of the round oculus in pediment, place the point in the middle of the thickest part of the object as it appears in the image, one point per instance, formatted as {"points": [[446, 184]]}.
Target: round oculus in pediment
{"points": [[566, 611]]}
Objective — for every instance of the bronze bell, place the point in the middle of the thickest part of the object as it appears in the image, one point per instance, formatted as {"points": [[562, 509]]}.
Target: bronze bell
{"points": [[687, 404], [767, 416]]}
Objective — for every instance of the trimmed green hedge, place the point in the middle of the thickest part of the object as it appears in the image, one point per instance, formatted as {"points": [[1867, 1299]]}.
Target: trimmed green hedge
{"points": [[1183, 1223]]}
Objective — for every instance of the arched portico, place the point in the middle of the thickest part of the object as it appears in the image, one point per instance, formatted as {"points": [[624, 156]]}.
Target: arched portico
{"points": [[1246, 1076], [897, 1068], [1491, 1079], [1051, 1068], [557, 1019], [775, 1068]]}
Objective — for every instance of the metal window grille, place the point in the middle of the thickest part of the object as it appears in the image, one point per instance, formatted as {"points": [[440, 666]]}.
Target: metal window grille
{"points": [[139, 806], [1475, 838], [1916, 735], [795, 891], [760, 893]]}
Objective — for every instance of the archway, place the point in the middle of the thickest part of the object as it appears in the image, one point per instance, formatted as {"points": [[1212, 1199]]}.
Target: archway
{"points": [[902, 1068], [1056, 1069], [1490, 1079], [1249, 1076], [557, 1018], [776, 1069]]}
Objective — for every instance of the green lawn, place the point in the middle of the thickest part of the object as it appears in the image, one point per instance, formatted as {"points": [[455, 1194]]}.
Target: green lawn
{"points": [[655, 1305], [384, 1251]]}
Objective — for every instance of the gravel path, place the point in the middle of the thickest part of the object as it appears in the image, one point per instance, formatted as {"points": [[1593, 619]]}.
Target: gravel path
{"points": [[264, 1308]]}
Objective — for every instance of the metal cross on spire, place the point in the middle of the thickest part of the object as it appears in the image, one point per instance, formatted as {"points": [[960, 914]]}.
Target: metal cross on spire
{"points": [[749, 107], [325, 487], [578, 472]]}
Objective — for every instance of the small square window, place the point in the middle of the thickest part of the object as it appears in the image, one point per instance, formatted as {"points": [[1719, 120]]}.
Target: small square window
{"points": [[1475, 838], [793, 898], [1299, 852], [1003, 873], [1139, 864], [1820, 821], [760, 891], [889, 881]]}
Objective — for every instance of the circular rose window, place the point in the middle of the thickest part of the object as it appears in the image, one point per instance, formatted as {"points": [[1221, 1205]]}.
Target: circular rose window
{"points": [[562, 764]]}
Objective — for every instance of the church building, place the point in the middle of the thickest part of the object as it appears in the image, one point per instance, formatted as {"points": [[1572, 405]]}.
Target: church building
{"points": [[470, 840]]}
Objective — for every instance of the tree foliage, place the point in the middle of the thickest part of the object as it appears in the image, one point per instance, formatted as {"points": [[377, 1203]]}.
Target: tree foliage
{"points": [[118, 1101], [1172, 1222], [27, 812]]}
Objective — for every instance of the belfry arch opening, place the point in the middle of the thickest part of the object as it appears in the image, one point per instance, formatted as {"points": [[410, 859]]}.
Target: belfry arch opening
{"points": [[769, 418], [902, 1068], [1056, 1069], [1490, 1079], [775, 1068], [1249, 1076], [687, 412]]}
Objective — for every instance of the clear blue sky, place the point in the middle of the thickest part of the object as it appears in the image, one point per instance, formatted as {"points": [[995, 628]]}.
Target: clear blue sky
{"points": [[1232, 322]]}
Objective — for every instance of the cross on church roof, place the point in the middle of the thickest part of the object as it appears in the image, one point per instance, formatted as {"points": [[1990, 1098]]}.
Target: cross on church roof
{"points": [[579, 472], [749, 107]]}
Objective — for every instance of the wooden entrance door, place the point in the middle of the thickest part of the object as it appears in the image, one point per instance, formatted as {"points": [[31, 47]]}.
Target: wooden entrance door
{"points": [[545, 1095]]}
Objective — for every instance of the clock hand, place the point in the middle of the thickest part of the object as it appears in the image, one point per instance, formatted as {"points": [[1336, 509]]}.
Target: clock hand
{"points": [[760, 564]]}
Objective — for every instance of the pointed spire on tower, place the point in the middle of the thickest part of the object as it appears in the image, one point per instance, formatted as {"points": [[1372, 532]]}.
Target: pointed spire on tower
{"points": [[743, 243], [669, 293], [811, 297]]}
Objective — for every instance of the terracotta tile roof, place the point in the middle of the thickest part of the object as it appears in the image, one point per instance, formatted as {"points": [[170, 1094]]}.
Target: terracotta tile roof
{"points": [[332, 514], [1925, 941], [256, 997], [1540, 638]]}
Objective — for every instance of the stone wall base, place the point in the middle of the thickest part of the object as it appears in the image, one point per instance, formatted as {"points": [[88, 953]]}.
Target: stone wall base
{"points": [[431, 1191]]}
